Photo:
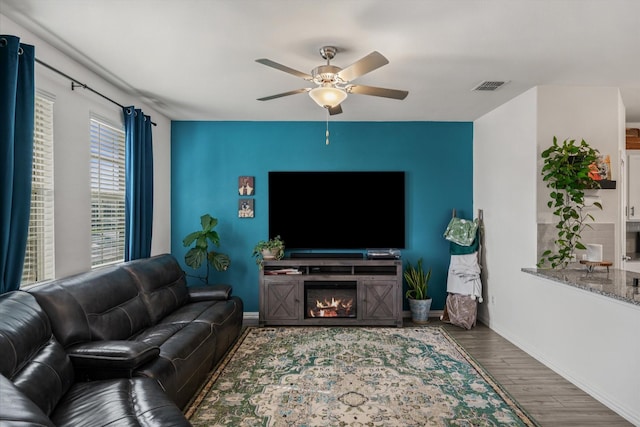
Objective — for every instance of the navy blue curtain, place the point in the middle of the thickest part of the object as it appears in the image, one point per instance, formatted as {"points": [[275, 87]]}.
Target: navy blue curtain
{"points": [[139, 184], [17, 100]]}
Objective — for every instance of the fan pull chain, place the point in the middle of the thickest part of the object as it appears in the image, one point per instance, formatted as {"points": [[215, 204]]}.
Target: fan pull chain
{"points": [[327, 132]]}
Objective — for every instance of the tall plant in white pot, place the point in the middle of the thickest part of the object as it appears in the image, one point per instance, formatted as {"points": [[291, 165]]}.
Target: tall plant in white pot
{"points": [[419, 300]]}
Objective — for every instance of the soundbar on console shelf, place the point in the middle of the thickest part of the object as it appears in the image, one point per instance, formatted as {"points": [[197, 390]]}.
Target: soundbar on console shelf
{"points": [[383, 254]]}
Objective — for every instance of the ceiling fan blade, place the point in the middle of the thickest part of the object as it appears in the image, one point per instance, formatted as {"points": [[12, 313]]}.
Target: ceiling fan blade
{"points": [[362, 66], [280, 95], [377, 91], [335, 110], [270, 63]]}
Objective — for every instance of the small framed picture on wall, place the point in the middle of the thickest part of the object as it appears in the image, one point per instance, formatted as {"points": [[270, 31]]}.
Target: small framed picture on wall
{"points": [[245, 208], [246, 186]]}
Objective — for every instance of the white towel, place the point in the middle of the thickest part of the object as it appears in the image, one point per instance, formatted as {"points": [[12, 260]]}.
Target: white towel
{"points": [[464, 276]]}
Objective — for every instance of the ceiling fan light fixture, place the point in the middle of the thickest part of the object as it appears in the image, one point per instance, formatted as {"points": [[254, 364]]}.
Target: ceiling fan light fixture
{"points": [[328, 96], [333, 84]]}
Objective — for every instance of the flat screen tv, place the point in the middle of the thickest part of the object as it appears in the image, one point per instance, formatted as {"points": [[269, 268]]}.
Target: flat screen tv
{"points": [[338, 210]]}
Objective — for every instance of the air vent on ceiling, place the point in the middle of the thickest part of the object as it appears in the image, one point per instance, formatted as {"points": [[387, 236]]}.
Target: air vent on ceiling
{"points": [[488, 85]]}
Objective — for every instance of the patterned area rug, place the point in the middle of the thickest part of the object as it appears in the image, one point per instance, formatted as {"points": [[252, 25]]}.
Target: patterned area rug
{"points": [[339, 376]]}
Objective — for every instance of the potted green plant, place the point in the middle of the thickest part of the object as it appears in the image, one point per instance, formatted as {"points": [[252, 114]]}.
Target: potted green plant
{"points": [[201, 252], [418, 283], [566, 171], [268, 249]]}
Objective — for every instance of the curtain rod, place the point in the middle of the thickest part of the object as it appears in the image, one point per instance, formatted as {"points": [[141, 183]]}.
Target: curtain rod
{"points": [[75, 83]]}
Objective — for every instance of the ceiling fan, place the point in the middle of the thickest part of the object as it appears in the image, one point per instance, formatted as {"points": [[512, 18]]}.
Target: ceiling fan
{"points": [[333, 84]]}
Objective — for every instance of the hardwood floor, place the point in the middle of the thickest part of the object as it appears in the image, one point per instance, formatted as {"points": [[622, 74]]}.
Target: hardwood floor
{"points": [[550, 399]]}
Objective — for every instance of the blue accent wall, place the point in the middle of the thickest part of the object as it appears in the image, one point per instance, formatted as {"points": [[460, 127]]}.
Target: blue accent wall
{"points": [[208, 157]]}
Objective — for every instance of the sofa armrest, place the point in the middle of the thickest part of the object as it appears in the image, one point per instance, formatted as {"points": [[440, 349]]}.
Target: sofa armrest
{"points": [[110, 359], [209, 293]]}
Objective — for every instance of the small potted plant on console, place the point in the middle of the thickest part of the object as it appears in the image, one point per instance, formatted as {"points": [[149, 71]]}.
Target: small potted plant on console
{"points": [[419, 301], [268, 249]]}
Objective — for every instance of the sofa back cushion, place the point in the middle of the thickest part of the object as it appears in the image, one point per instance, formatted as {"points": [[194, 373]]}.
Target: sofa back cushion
{"points": [[16, 409], [104, 304], [161, 282], [32, 359]]}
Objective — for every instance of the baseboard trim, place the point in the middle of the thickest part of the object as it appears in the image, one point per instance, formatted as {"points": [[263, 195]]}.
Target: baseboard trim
{"points": [[252, 317]]}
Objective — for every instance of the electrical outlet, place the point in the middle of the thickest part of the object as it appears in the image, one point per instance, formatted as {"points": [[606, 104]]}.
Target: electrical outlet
{"points": [[493, 299]]}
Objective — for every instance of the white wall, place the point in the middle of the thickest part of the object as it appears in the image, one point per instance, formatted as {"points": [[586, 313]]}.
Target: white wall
{"points": [[72, 110], [504, 181], [587, 338]]}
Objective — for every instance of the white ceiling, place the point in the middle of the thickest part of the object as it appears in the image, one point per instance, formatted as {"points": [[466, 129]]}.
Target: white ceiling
{"points": [[195, 59]]}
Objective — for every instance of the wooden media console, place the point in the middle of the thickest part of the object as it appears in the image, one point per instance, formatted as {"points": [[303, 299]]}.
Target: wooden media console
{"points": [[316, 292]]}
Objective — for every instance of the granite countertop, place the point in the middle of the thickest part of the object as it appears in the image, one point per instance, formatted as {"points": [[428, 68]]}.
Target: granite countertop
{"points": [[612, 282]]}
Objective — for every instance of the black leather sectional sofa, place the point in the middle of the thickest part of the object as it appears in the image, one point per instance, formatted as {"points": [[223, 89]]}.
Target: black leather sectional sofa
{"points": [[124, 345]]}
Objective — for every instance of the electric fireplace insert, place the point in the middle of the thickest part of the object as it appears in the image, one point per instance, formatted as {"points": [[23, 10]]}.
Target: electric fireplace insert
{"points": [[332, 299]]}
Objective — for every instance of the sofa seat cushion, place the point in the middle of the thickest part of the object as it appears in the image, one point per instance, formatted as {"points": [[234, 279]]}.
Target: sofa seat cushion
{"points": [[227, 324], [189, 346], [213, 312], [224, 317], [133, 402], [181, 332], [176, 338], [186, 355]]}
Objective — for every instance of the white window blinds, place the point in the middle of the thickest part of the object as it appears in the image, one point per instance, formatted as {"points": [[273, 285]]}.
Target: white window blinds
{"points": [[107, 193], [39, 257]]}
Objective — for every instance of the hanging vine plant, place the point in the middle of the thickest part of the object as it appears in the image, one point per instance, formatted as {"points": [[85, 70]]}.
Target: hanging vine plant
{"points": [[566, 171]]}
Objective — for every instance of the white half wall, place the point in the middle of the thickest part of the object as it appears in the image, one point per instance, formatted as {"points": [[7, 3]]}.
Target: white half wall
{"points": [[589, 339], [72, 110]]}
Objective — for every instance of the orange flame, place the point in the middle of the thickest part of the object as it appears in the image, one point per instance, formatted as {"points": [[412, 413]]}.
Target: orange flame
{"points": [[331, 308]]}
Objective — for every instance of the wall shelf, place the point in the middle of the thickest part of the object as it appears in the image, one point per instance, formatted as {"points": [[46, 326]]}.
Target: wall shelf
{"points": [[606, 184]]}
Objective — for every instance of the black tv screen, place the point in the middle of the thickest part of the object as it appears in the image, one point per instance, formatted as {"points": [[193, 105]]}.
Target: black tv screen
{"points": [[338, 210]]}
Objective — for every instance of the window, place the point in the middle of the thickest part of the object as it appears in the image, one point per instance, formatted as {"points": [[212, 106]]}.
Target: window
{"points": [[39, 256], [107, 193]]}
